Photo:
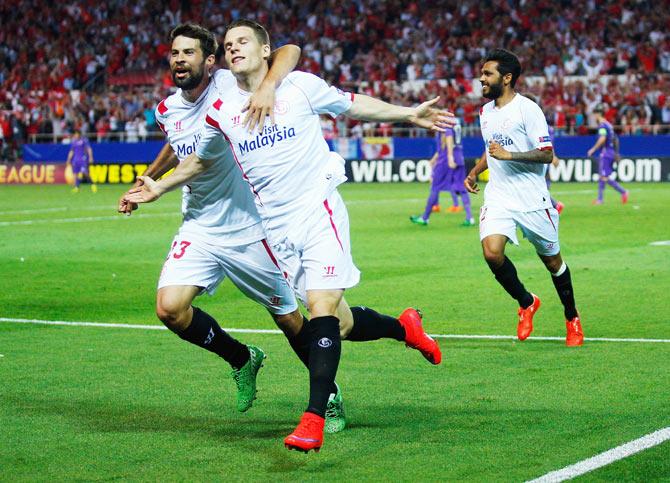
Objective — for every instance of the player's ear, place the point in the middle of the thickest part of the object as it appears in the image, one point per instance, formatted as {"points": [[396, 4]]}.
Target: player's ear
{"points": [[507, 79], [266, 51]]}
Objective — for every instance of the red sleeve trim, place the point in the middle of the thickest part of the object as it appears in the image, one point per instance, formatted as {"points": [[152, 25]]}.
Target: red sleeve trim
{"points": [[217, 104], [212, 122], [546, 148], [352, 96], [162, 108], [160, 125]]}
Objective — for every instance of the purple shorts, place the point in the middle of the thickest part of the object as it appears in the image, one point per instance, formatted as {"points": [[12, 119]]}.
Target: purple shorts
{"points": [[457, 179], [441, 176], [606, 164], [78, 168]]}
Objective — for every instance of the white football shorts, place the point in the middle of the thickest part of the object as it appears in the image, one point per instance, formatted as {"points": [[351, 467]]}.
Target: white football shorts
{"points": [[316, 253], [539, 227], [252, 268]]}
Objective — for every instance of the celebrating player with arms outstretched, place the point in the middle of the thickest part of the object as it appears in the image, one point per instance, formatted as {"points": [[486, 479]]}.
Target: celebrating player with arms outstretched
{"points": [[294, 178], [519, 149], [221, 235]]}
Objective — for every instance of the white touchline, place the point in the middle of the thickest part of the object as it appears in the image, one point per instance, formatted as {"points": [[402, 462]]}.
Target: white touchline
{"points": [[603, 459], [66, 208], [276, 331], [35, 210], [85, 219]]}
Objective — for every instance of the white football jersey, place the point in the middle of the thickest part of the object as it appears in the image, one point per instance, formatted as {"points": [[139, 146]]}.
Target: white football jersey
{"points": [[288, 166], [216, 205], [519, 126]]}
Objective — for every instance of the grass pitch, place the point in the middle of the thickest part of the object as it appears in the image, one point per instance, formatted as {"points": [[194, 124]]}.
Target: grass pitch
{"points": [[112, 403]]}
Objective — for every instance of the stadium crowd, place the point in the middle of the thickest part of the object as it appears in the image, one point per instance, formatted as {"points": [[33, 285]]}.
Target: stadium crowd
{"points": [[102, 67]]}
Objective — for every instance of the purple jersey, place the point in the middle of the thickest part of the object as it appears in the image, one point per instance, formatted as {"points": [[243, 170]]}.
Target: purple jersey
{"points": [[441, 145], [80, 149], [606, 129], [455, 133]]}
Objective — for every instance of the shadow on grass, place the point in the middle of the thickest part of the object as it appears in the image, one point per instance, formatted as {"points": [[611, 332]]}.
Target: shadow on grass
{"points": [[104, 416]]}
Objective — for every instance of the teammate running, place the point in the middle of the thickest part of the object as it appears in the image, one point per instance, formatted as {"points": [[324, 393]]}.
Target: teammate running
{"points": [[294, 178], [515, 131]]}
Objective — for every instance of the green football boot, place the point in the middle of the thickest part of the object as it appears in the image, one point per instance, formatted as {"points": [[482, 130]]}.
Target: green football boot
{"points": [[418, 220], [335, 421], [245, 378]]}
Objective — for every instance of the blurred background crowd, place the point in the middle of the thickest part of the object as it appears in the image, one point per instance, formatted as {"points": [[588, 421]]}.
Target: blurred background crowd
{"points": [[102, 67]]}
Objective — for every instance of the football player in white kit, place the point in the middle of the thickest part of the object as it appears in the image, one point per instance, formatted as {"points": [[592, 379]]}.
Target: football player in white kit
{"points": [[519, 150], [294, 178], [221, 235]]}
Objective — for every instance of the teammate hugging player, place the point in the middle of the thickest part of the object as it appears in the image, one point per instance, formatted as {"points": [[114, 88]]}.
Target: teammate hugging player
{"points": [[221, 235], [519, 148], [294, 178]]}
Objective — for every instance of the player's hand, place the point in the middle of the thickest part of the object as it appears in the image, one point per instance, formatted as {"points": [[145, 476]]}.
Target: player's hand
{"points": [[555, 162], [260, 105], [590, 152], [470, 184], [146, 193], [451, 164], [428, 116], [124, 206], [498, 152]]}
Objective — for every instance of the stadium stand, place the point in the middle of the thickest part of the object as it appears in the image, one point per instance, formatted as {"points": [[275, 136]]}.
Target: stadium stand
{"points": [[103, 67]]}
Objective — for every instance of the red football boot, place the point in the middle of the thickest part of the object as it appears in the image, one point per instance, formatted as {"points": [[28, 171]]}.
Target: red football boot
{"points": [[525, 326], [559, 207], [575, 335], [416, 338], [307, 435], [624, 197], [435, 209]]}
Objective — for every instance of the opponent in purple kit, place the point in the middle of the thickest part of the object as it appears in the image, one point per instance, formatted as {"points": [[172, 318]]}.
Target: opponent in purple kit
{"points": [[79, 157], [609, 142], [448, 175], [554, 162]]}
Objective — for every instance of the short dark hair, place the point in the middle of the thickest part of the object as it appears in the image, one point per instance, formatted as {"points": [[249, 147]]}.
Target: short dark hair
{"points": [[508, 63], [259, 31], [599, 109], [208, 43]]}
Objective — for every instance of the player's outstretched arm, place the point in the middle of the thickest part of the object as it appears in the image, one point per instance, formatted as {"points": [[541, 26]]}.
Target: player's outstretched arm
{"points": [[261, 104], [425, 115], [470, 182], [151, 190], [164, 162]]}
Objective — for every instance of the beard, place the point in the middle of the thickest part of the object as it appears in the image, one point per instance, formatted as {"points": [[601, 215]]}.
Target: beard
{"points": [[495, 91], [190, 82]]}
